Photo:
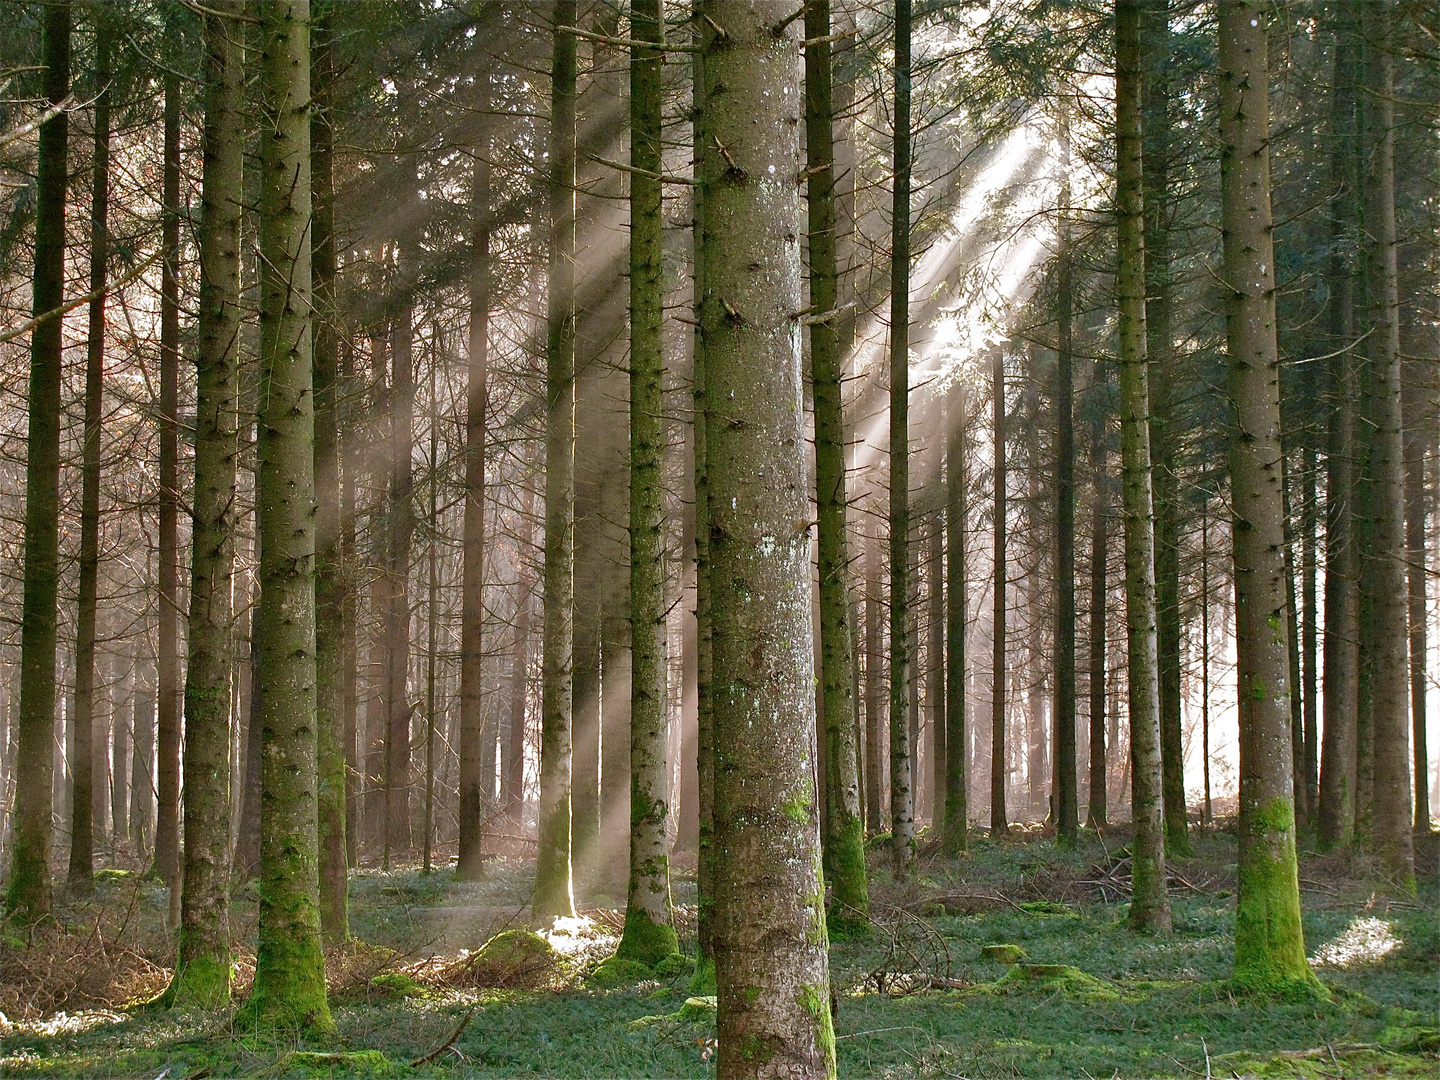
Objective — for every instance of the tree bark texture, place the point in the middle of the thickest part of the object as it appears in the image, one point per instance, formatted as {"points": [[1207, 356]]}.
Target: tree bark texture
{"points": [[1150, 908], [1393, 817], [28, 890], [289, 989], [1269, 943], [554, 892], [999, 819], [649, 934], [202, 970], [770, 933], [957, 773]]}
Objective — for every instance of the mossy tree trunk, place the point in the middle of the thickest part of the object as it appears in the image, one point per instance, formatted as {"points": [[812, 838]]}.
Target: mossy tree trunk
{"points": [[1393, 831], [167, 662], [202, 969], [554, 891], [28, 890], [999, 819], [1150, 908], [844, 825], [902, 801], [472, 614], [1336, 812], [957, 772], [1269, 943], [289, 989], [330, 581], [1164, 434], [649, 934], [770, 934], [84, 767]]}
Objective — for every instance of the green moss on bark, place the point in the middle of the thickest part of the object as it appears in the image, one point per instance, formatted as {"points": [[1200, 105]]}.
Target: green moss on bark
{"points": [[646, 940], [203, 982], [1269, 939]]}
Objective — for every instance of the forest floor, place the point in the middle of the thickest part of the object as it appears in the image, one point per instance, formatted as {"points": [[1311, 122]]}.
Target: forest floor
{"points": [[914, 998]]}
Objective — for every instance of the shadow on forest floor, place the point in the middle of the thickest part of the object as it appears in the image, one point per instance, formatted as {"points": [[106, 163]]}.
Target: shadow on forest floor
{"points": [[915, 998]]}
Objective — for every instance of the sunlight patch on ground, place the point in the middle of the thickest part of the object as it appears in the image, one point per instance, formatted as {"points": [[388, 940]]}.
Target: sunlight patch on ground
{"points": [[580, 937], [1366, 940], [61, 1023]]}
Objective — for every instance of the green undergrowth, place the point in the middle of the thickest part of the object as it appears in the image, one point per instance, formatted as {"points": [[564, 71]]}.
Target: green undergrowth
{"points": [[1085, 996]]}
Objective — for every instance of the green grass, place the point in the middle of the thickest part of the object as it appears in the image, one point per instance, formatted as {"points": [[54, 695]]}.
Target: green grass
{"points": [[1164, 1005]]}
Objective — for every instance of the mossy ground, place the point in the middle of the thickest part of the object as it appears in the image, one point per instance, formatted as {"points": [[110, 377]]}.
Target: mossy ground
{"points": [[1162, 996]]}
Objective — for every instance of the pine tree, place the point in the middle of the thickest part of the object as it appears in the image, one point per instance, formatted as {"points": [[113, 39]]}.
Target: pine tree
{"points": [[289, 988], [770, 936], [202, 970], [1269, 942]]}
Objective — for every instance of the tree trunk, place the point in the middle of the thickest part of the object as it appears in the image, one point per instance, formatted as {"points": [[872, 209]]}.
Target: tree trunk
{"points": [[844, 825], [1160, 353], [1067, 797], [400, 532], [1150, 909], [649, 934], [28, 890], [330, 581], [167, 665], [902, 804], [1205, 653], [999, 820], [1310, 768], [1096, 816], [289, 989], [1393, 831], [1269, 942], [935, 662], [554, 893], [874, 686], [704, 721], [512, 761], [142, 766], [770, 939], [87, 764], [432, 643], [202, 970], [1336, 814], [1417, 416], [957, 773], [472, 615]]}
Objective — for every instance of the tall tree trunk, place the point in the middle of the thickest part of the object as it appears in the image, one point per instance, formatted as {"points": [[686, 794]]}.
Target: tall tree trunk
{"points": [[844, 825], [119, 763], [330, 580], [935, 663], [1309, 519], [957, 774], [1336, 815], [1417, 422], [1205, 653], [28, 890], [1150, 909], [999, 820], [432, 619], [902, 803], [512, 759], [142, 765], [202, 970], [289, 988], [1269, 942], [874, 685], [649, 934], [1067, 796], [770, 940], [1160, 353], [82, 836], [1292, 632], [554, 893], [704, 699], [1096, 812], [167, 666], [472, 614], [400, 532], [1393, 832]]}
